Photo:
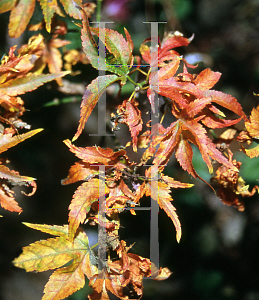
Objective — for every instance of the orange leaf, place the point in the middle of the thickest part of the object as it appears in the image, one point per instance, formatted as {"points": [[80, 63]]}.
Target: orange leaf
{"points": [[253, 152], [131, 115], [162, 196], [207, 79], [164, 52], [177, 137], [226, 101], [83, 198], [184, 156], [14, 177], [80, 171], [8, 140], [95, 155], [8, 202]]}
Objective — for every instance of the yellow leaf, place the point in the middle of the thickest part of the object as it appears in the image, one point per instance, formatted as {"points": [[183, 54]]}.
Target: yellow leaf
{"points": [[7, 140], [20, 17], [252, 125]]}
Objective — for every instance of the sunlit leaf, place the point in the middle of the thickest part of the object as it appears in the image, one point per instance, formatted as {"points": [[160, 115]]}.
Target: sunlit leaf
{"points": [[83, 198], [91, 96], [95, 155], [27, 83], [54, 253]]}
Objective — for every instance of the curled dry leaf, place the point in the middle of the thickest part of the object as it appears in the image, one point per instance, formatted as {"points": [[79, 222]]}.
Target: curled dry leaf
{"points": [[252, 127], [231, 186], [7, 200]]}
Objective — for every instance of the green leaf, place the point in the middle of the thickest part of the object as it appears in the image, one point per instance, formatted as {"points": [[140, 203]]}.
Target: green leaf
{"points": [[71, 9], [118, 54]]}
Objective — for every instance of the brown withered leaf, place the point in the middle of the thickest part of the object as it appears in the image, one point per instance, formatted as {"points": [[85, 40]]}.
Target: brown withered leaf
{"points": [[16, 78], [73, 57], [128, 271], [231, 186], [129, 114], [53, 57]]}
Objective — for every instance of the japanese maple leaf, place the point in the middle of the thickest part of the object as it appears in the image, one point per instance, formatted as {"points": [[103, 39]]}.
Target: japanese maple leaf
{"points": [[118, 58], [52, 56], [91, 96], [85, 195], [252, 127], [231, 186], [44, 52], [193, 95], [7, 200], [128, 271], [22, 11], [164, 51], [17, 80], [178, 136], [96, 155], [54, 253], [88, 192], [129, 114], [159, 190]]}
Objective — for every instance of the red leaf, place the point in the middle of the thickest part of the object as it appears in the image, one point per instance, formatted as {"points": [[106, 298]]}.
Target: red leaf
{"points": [[226, 101], [94, 155], [131, 116], [207, 79]]}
